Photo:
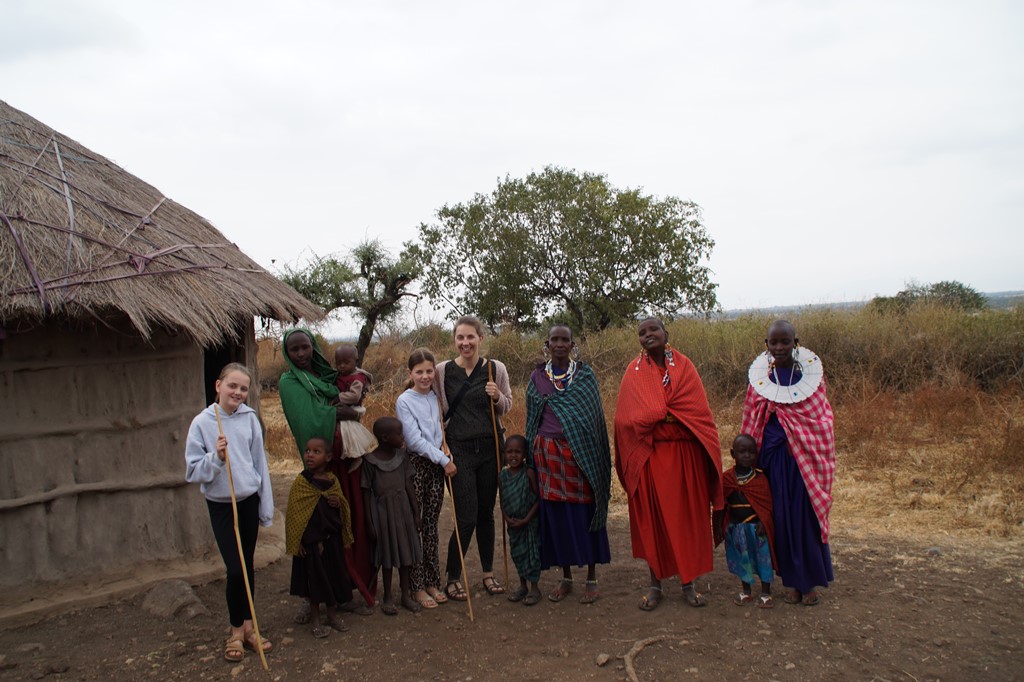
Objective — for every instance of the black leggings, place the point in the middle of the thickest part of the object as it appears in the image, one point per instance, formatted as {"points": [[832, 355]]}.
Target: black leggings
{"points": [[224, 532], [475, 488]]}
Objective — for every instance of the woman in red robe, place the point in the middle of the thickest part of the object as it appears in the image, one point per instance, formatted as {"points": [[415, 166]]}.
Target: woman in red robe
{"points": [[669, 461]]}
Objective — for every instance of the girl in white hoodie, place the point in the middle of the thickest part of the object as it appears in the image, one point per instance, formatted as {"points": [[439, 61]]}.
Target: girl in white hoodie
{"points": [[205, 453]]}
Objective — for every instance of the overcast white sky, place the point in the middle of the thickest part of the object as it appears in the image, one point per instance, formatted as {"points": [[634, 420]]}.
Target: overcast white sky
{"points": [[838, 149]]}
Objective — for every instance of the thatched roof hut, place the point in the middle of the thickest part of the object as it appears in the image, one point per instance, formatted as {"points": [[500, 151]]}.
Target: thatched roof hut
{"points": [[117, 305], [83, 238]]}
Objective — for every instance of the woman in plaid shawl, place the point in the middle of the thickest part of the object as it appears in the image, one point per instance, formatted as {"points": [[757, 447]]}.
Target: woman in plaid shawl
{"points": [[566, 426], [796, 450]]}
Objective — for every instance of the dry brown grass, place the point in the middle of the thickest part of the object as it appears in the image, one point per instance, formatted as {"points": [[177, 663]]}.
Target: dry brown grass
{"points": [[930, 436]]}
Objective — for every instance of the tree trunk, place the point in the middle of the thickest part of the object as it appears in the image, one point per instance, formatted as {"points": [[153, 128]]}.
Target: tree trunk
{"points": [[365, 335]]}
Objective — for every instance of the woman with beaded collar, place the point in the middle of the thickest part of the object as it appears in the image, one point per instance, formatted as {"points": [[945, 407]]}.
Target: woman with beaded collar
{"points": [[566, 428], [788, 414]]}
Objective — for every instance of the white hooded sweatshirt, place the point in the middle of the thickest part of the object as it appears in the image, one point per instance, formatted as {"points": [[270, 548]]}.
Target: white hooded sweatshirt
{"points": [[248, 460]]}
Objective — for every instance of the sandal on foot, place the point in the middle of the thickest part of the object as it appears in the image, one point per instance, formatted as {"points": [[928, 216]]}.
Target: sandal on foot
{"points": [[250, 643], [810, 599], [693, 597], [590, 593], [302, 617], [234, 650], [455, 591], [321, 631], [437, 595], [518, 595], [492, 585], [426, 601], [336, 623], [562, 590], [765, 601], [410, 604], [532, 598], [650, 601], [389, 609], [742, 599], [793, 597]]}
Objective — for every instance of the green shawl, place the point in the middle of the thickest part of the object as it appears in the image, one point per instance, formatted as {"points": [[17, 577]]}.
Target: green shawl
{"points": [[306, 396], [302, 501], [581, 413]]}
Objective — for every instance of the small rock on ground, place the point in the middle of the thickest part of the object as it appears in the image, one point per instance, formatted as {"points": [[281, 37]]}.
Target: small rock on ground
{"points": [[173, 598]]}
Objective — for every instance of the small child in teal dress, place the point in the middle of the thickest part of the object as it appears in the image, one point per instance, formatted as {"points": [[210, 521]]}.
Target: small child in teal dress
{"points": [[519, 505], [749, 531]]}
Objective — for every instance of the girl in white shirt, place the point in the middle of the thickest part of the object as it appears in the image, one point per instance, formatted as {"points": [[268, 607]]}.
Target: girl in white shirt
{"points": [[419, 411]]}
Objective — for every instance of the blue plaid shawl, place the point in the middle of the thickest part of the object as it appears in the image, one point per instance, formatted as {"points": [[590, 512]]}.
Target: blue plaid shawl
{"points": [[581, 413]]}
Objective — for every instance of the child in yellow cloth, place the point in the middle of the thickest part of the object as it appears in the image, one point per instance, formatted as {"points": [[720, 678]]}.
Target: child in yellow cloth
{"points": [[317, 529]]}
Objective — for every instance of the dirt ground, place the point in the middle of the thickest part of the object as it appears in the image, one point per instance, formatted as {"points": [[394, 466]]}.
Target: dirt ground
{"points": [[936, 609]]}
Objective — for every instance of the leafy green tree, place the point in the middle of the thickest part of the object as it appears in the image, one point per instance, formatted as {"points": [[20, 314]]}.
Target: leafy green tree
{"points": [[565, 242], [950, 294], [955, 294], [369, 280]]}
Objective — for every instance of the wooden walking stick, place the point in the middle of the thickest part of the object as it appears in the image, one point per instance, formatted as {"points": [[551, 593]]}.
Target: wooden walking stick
{"points": [[241, 554], [455, 518], [497, 458], [462, 559]]}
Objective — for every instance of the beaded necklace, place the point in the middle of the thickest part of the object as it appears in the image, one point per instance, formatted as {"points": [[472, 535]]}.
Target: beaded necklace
{"points": [[561, 381], [794, 368], [669, 362], [745, 478]]}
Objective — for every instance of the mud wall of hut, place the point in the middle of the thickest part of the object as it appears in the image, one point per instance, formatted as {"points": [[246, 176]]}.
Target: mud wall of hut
{"points": [[92, 430]]}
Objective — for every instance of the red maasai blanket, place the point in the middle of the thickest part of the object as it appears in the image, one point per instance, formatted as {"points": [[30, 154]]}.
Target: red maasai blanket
{"points": [[644, 402], [759, 495]]}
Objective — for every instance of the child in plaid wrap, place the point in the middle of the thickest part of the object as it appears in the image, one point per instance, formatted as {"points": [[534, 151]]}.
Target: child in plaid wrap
{"points": [[519, 506]]}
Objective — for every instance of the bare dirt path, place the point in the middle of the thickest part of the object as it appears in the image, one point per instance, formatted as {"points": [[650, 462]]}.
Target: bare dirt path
{"points": [[896, 612]]}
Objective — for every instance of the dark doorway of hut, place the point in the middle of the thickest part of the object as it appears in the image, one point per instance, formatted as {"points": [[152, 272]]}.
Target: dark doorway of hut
{"points": [[214, 359]]}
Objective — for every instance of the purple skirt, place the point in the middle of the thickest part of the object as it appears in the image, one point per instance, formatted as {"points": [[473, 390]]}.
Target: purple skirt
{"points": [[803, 561], [565, 538]]}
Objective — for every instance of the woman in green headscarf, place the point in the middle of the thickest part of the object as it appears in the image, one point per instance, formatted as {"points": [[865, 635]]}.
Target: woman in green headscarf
{"points": [[309, 400], [307, 390]]}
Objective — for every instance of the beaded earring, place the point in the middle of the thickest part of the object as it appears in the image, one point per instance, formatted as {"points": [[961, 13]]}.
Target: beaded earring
{"points": [[576, 353], [547, 353]]}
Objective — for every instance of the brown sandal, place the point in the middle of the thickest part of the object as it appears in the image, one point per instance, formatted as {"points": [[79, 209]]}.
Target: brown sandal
{"points": [[492, 585], [250, 642], [455, 591], [234, 650]]}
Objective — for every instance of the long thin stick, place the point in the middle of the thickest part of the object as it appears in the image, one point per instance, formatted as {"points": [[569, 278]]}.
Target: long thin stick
{"points": [[241, 554], [462, 559], [455, 518], [497, 458]]}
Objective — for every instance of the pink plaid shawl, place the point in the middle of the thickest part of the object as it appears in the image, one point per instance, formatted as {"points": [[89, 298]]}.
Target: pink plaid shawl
{"points": [[809, 427]]}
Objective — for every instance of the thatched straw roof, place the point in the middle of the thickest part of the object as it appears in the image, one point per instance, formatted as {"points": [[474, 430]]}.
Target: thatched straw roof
{"points": [[82, 237]]}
